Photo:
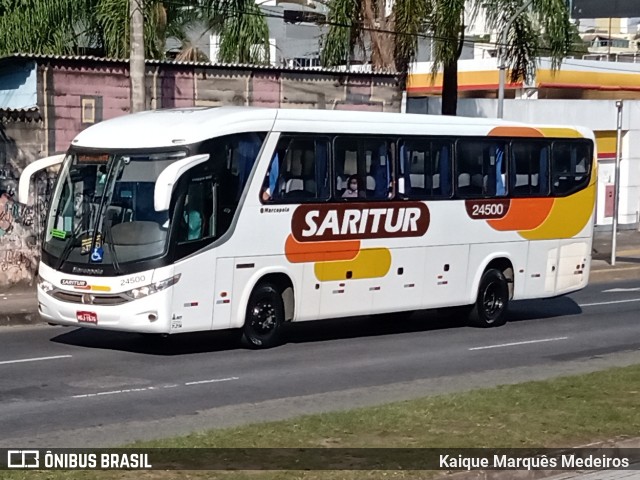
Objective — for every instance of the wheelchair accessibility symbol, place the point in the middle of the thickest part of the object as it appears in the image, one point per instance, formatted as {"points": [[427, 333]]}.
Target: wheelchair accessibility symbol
{"points": [[96, 254]]}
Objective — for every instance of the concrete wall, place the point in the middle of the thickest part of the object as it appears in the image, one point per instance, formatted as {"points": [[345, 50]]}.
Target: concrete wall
{"points": [[20, 142], [296, 90], [598, 115], [67, 85]]}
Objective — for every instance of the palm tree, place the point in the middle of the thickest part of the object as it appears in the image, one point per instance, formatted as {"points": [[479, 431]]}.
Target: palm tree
{"points": [[42, 26], [358, 22], [72, 26], [242, 29]]}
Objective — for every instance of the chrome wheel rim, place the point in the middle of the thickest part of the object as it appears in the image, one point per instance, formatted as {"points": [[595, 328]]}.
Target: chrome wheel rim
{"points": [[492, 301], [263, 317]]}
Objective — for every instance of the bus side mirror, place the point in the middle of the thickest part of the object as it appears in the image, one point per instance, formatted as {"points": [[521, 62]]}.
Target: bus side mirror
{"points": [[30, 170], [170, 176]]}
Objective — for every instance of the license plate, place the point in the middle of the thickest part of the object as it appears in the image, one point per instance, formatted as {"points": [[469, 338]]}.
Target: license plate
{"points": [[87, 317]]}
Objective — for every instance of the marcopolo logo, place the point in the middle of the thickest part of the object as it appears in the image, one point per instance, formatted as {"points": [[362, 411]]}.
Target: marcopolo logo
{"points": [[350, 221], [23, 459]]}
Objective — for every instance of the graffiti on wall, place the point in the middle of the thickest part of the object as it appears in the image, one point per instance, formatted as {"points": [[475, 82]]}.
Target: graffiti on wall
{"points": [[11, 213], [19, 233]]}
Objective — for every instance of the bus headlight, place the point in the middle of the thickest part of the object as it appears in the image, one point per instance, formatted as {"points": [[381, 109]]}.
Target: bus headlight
{"points": [[43, 285], [141, 292]]}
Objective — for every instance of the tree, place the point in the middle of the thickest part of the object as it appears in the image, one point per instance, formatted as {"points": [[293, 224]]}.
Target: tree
{"points": [[42, 26], [242, 29], [362, 22], [64, 27]]}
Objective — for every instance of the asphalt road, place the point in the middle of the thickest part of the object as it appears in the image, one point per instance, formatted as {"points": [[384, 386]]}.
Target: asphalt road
{"points": [[74, 387]]}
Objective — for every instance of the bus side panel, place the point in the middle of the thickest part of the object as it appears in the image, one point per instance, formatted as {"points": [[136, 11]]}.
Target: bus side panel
{"points": [[248, 272], [193, 294], [573, 259], [224, 294], [402, 288], [342, 298], [307, 296], [482, 254], [445, 276], [541, 269]]}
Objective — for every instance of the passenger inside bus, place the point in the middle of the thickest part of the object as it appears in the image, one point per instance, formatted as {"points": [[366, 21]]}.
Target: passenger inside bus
{"points": [[352, 187]]}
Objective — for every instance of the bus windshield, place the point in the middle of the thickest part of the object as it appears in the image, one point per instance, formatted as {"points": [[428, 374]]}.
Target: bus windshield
{"points": [[102, 210]]}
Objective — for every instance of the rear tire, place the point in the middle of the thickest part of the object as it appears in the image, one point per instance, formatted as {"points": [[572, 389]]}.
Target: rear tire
{"points": [[490, 309], [265, 317]]}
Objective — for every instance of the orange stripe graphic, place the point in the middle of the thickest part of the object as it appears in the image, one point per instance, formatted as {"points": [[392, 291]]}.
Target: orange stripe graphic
{"points": [[524, 214], [297, 252], [515, 132]]}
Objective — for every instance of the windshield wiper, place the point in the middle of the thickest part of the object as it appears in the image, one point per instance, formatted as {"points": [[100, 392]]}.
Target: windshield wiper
{"points": [[70, 244]]}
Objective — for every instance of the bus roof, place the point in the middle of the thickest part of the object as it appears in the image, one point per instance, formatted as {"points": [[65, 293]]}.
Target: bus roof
{"points": [[181, 126]]}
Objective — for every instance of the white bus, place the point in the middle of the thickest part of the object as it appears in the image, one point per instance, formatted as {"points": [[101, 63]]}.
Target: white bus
{"points": [[245, 218]]}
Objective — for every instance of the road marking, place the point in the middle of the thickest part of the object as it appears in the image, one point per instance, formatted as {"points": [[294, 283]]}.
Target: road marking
{"points": [[608, 303], [215, 380], [611, 290], [39, 359], [147, 389], [527, 342]]}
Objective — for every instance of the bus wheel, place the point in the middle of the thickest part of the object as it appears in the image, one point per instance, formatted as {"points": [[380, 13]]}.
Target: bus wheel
{"points": [[493, 297], [265, 316]]}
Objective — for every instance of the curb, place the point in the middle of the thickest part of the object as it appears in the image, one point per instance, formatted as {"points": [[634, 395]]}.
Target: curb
{"points": [[20, 318], [602, 275]]}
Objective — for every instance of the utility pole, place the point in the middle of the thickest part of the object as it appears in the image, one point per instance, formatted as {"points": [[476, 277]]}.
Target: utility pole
{"points": [[616, 195], [136, 56]]}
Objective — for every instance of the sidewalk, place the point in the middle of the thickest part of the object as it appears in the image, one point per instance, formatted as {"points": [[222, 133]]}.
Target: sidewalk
{"points": [[18, 305], [627, 265]]}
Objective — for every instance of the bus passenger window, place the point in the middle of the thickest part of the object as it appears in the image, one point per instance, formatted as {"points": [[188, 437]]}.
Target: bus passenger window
{"points": [[368, 160], [299, 171], [529, 168], [480, 168], [425, 169], [570, 166]]}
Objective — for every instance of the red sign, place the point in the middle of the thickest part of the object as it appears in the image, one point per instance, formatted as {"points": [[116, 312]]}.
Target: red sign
{"points": [[87, 317]]}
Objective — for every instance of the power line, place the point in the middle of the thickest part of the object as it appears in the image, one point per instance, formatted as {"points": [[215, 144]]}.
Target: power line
{"points": [[468, 42]]}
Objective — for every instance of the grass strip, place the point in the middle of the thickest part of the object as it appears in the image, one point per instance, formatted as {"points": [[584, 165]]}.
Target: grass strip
{"points": [[562, 412]]}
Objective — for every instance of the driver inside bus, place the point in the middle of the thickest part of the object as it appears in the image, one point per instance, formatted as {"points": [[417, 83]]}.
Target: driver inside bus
{"points": [[193, 220]]}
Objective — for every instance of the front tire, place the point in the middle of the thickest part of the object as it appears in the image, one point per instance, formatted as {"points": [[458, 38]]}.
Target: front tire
{"points": [[264, 318], [490, 309]]}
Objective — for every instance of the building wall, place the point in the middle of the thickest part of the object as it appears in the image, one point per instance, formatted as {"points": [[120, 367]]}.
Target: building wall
{"points": [[598, 115], [296, 90], [21, 141], [66, 88]]}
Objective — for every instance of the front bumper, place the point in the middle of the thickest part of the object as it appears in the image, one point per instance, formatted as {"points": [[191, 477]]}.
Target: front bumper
{"points": [[149, 314]]}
